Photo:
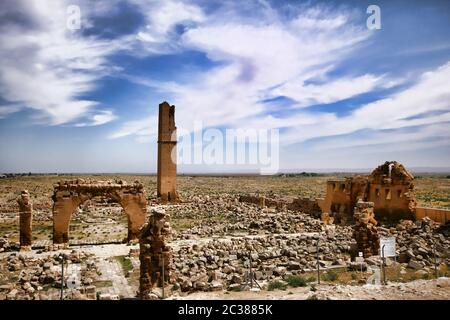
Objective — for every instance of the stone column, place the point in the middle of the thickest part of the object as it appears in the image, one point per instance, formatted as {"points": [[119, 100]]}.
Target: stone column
{"points": [[135, 206], [154, 250], [26, 218], [167, 153], [262, 202]]}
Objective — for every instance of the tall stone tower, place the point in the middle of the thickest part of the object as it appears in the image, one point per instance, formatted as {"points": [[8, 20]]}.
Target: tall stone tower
{"points": [[167, 154]]}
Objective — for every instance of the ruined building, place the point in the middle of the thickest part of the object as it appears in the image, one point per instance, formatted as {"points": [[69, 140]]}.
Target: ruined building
{"points": [[155, 253], [26, 218], [167, 153], [68, 195], [365, 231], [390, 187]]}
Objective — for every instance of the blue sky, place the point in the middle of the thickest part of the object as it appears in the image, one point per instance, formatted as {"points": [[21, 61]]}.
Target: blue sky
{"points": [[343, 96]]}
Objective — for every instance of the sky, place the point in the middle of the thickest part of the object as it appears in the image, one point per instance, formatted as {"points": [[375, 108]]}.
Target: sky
{"points": [[341, 95]]}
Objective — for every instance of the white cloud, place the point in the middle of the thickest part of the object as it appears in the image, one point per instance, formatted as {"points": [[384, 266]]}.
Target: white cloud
{"points": [[412, 106], [331, 91], [47, 67], [6, 110], [143, 128], [102, 117], [159, 34], [257, 56], [399, 138]]}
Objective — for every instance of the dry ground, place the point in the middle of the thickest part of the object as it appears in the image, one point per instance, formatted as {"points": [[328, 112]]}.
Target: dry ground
{"points": [[103, 222]]}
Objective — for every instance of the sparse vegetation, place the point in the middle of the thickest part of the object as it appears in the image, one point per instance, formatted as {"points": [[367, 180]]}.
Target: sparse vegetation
{"points": [[330, 275], [296, 281], [126, 264], [277, 285], [175, 287]]}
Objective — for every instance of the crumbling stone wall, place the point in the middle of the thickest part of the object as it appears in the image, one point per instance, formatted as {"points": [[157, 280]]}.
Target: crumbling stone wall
{"points": [[68, 195], [305, 205], [26, 218], [365, 231], [390, 187], [167, 152], [392, 192], [155, 253]]}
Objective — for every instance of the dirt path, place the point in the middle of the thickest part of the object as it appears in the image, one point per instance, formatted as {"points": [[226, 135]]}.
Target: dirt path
{"points": [[436, 289]]}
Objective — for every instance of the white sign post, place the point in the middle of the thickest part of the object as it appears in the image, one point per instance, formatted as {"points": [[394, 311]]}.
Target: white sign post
{"points": [[360, 259], [389, 247]]}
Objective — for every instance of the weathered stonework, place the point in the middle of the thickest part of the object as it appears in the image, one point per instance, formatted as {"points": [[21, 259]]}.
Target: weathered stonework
{"points": [[390, 187], [26, 219], [68, 195], [365, 231], [326, 218], [305, 205], [155, 253], [167, 153]]}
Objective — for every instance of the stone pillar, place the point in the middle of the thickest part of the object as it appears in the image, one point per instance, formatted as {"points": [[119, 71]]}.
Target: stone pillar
{"points": [[167, 153], [154, 248], [26, 218], [64, 204], [262, 202], [135, 207], [365, 231]]}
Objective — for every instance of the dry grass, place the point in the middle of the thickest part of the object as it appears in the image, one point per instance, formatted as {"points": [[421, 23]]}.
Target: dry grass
{"points": [[432, 190]]}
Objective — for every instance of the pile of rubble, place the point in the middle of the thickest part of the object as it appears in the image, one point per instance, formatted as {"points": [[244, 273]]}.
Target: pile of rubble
{"points": [[225, 215], [6, 245], [419, 243], [225, 263], [37, 275]]}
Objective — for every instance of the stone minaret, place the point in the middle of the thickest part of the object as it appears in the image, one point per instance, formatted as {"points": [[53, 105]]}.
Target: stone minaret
{"points": [[167, 154]]}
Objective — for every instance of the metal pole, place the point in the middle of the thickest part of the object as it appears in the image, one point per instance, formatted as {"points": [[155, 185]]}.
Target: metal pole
{"points": [[435, 260], [382, 261], [361, 265], [251, 271], [62, 277], [318, 264], [162, 273]]}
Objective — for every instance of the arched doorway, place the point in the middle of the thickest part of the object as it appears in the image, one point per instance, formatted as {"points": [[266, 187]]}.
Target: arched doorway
{"points": [[68, 195]]}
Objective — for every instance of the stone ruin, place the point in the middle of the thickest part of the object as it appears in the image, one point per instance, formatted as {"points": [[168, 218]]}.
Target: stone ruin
{"points": [[68, 195], [155, 254], [365, 231], [26, 218], [390, 187], [167, 152]]}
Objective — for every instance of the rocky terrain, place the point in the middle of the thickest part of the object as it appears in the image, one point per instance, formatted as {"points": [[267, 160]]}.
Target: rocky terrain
{"points": [[216, 241]]}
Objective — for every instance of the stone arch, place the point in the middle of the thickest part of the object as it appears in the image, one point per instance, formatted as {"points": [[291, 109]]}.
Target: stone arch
{"points": [[68, 195]]}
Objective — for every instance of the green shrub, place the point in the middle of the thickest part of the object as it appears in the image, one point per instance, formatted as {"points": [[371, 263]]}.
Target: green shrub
{"points": [[296, 281], [126, 264], [277, 285], [235, 288], [313, 288], [330, 276], [311, 279], [175, 287]]}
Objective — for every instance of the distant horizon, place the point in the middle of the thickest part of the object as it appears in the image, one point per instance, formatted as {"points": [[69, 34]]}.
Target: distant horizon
{"points": [[414, 170]]}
